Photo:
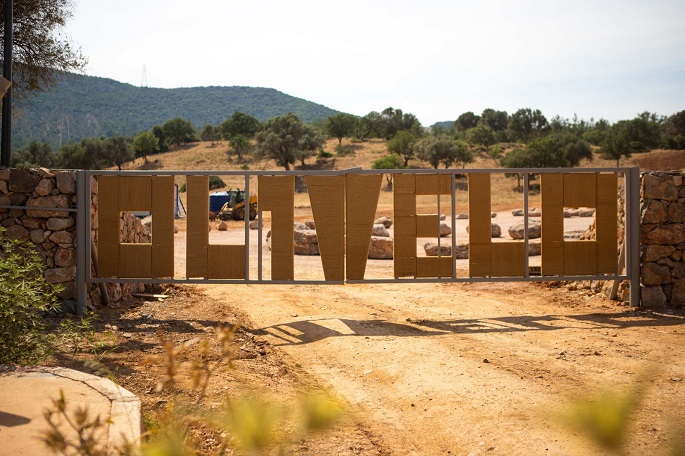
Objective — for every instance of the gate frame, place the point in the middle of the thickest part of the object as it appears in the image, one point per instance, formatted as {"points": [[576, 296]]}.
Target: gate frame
{"points": [[631, 242]]}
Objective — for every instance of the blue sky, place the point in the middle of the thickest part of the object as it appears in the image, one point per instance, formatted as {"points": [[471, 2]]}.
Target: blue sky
{"points": [[433, 58]]}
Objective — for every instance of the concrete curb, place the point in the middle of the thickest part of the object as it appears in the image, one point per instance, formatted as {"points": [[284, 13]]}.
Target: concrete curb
{"points": [[124, 412]]}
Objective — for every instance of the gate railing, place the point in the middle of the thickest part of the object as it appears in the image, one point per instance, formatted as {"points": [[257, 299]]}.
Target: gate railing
{"points": [[344, 205]]}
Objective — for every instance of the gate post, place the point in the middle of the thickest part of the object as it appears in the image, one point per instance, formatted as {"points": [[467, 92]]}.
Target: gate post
{"points": [[633, 235], [82, 260]]}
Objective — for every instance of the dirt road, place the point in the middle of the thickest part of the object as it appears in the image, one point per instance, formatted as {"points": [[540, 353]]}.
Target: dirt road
{"points": [[474, 369], [470, 368]]}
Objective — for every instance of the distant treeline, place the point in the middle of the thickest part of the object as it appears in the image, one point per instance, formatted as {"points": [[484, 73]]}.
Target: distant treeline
{"points": [[523, 139], [79, 107]]}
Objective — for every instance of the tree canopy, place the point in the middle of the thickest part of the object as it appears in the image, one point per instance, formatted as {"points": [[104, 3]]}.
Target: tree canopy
{"points": [[145, 144], [40, 49], [402, 144], [239, 124], [444, 150], [179, 131], [526, 124], [465, 121], [341, 125], [35, 154], [285, 139], [674, 131]]}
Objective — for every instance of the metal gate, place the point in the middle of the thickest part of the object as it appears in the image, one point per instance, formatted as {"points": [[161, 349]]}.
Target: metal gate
{"points": [[343, 204]]}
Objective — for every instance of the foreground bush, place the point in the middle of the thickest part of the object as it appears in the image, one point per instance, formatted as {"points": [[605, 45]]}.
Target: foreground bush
{"points": [[24, 296]]}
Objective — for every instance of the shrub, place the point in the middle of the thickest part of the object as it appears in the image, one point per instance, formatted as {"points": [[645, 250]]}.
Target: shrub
{"points": [[216, 182], [24, 295]]}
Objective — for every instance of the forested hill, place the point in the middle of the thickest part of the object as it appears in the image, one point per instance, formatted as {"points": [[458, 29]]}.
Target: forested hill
{"points": [[84, 106]]}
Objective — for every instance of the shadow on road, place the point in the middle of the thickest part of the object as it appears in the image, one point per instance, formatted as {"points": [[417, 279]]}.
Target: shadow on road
{"points": [[308, 331]]}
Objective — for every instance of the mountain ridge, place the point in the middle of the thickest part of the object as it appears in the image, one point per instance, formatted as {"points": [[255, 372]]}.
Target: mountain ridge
{"points": [[81, 106]]}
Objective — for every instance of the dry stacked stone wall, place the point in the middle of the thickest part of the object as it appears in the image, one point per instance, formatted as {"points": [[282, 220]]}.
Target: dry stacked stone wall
{"points": [[54, 232], [662, 214]]}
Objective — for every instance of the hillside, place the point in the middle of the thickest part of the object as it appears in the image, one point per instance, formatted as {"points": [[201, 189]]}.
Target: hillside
{"points": [[84, 106]]}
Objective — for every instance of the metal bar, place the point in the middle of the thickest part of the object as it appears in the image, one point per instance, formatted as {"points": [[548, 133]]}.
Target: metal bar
{"points": [[370, 281], [259, 244], [248, 209], [359, 171], [439, 237], [492, 279], [633, 235], [6, 141], [82, 259], [525, 221], [89, 228], [454, 227], [39, 208]]}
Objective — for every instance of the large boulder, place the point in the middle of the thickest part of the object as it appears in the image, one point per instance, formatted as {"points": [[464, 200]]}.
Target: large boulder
{"points": [[381, 248], [516, 231], [385, 221], [431, 249], [306, 242], [380, 230], [532, 212], [445, 229]]}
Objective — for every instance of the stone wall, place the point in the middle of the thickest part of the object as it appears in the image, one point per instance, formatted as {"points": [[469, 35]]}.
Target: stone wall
{"points": [[54, 232], [662, 219]]}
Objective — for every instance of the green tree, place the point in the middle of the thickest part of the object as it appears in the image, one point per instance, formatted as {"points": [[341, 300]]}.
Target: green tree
{"points": [[279, 140], [341, 125], [40, 50], [617, 143], [402, 144], [73, 156], [443, 150], [526, 124], [162, 143], [208, 133], [597, 133], [495, 152], [146, 143], [481, 136], [465, 121], [34, 155], [674, 131], [117, 150], [497, 120], [574, 149], [391, 161], [390, 121], [239, 145], [310, 141], [95, 155], [239, 124], [463, 156], [179, 131]]}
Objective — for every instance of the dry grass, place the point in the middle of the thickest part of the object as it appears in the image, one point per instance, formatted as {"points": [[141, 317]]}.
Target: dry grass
{"points": [[660, 160]]}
